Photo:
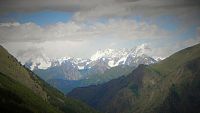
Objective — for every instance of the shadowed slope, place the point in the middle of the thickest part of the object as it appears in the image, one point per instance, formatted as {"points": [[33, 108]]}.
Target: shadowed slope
{"points": [[172, 85]]}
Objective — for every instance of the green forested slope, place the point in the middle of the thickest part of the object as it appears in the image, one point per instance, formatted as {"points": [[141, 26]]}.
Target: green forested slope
{"points": [[21, 91]]}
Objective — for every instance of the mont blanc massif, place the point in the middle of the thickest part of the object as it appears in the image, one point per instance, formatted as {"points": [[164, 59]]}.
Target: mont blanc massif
{"points": [[68, 73]]}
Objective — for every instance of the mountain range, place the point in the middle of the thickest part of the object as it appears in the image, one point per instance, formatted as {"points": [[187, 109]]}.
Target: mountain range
{"points": [[68, 73], [169, 86], [102, 58]]}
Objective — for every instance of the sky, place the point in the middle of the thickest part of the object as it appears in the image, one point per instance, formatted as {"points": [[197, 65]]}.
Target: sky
{"points": [[78, 28]]}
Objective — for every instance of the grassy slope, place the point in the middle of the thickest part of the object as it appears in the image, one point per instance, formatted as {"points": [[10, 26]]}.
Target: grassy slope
{"points": [[21, 91], [108, 75], [171, 86], [15, 97]]}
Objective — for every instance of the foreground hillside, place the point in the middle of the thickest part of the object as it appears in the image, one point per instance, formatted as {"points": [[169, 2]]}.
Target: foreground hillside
{"points": [[170, 86], [21, 91]]}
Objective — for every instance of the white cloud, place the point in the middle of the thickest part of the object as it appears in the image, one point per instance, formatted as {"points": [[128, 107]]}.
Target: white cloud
{"points": [[73, 38], [75, 31], [169, 48], [185, 11], [33, 53]]}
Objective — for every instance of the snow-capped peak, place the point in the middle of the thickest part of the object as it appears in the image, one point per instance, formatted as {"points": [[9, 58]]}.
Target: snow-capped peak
{"points": [[107, 58], [61, 60], [125, 56], [158, 58], [102, 53], [109, 53]]}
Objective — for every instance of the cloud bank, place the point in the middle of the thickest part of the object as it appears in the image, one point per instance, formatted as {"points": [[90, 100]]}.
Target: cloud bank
{"points": [[93, 9], [73, 31]]}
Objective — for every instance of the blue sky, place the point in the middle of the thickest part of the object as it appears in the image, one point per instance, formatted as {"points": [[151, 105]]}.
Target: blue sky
{"points": [[41, 18]]}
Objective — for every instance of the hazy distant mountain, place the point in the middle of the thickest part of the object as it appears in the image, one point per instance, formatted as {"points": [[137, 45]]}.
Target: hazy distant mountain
{"points": [[170, 86], [93, 70]]}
